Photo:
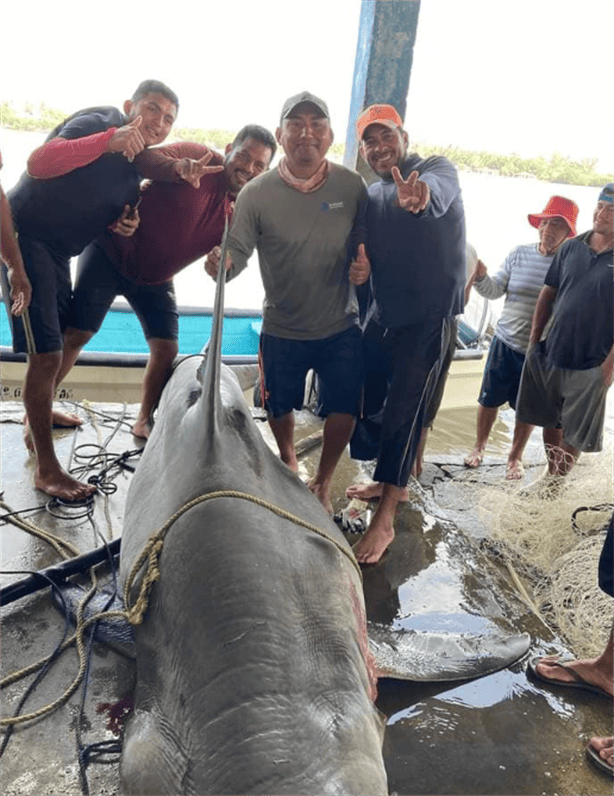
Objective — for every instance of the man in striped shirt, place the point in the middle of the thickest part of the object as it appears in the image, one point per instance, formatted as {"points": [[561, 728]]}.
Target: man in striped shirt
{"points": [[520, 279]]}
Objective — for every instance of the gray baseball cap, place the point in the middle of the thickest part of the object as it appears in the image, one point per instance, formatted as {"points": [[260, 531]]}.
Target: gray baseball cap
{"points": [[305, 96]]}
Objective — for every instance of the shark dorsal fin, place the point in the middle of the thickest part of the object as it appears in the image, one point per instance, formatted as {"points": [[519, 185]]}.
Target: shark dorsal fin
{"points": [[211, 397]]}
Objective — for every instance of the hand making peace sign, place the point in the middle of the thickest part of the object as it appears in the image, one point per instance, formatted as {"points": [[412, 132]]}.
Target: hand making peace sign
{"points": [[192, 170], [413, 194]]}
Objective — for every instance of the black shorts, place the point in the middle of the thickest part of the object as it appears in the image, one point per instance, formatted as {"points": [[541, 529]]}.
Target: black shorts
{"points": [[606, 564], [40, 330], [437, 396], [402, 370], [99, 282], [337, 361]]}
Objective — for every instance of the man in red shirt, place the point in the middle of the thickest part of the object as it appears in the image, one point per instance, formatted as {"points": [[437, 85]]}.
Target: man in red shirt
{"points": [[181, 218]]}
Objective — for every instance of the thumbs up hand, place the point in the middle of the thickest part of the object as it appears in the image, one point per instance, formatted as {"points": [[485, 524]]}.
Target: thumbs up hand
{"points": [[360, 267], [128, 140]]}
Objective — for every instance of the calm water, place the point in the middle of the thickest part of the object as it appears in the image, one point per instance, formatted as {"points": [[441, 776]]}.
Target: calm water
{"points": [[496, 210]]}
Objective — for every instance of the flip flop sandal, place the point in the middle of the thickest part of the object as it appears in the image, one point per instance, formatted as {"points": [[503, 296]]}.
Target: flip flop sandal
{"points": [[593, 757], [578, 682]]}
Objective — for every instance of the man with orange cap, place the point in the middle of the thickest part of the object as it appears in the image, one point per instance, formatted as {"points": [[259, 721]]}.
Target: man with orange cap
{"points": [[416, 247], [520, 279]]}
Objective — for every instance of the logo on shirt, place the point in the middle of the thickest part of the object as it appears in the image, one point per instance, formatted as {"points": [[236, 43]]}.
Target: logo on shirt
{"points": [[332, 206]]}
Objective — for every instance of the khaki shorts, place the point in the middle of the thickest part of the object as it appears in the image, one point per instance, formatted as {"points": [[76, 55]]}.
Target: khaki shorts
{"points": [[573, 400]]}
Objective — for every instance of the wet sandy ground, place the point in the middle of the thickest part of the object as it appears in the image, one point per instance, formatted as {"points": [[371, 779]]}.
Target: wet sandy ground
{"points": [[501, 734]]}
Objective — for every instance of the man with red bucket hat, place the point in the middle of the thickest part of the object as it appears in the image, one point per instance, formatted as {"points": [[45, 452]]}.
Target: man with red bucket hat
{"points": [[520, 279]]}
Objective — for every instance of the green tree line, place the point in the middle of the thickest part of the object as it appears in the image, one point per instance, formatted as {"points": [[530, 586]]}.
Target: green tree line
{"points": [[557, 168]]}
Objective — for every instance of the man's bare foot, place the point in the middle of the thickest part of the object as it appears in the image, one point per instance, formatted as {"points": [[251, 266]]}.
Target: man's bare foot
{"points": [[604, 747], [553, 670], [474, 459], [323, 495], [58, 420], [61, 485], [417, 468], [514, 470], [142, 428], [374, 543], [370, 492], [65, 419]]}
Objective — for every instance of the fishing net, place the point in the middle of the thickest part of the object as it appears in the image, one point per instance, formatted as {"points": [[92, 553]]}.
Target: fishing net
{"points": [[552, 532]]}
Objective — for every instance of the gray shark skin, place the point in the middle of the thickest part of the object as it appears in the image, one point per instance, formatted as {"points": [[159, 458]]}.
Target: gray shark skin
{"points": [[251, 657]]}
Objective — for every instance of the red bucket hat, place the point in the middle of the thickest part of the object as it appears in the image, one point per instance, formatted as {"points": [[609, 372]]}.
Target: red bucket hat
{"points": [[558, 207]]}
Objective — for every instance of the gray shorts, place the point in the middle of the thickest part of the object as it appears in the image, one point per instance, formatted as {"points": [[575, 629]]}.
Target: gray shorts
{"points": [[554, 397]]}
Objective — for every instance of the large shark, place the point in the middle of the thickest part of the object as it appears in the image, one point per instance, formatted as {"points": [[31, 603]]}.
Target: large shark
{"points": [[253, 671]]}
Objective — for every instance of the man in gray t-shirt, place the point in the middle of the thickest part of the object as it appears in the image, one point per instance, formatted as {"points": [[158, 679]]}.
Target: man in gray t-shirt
{"points": [[305, 218]]}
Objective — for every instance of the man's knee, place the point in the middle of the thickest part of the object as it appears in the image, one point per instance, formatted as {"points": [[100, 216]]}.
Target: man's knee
{"points": [[42, 367], [163, 350], [76, 338]]}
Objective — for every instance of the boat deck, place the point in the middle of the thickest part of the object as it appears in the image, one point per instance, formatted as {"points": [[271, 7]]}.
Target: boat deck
{"points": [[501, 734]]}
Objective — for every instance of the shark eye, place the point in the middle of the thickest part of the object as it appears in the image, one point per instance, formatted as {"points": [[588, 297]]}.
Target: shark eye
{"points": [[194, 396]]}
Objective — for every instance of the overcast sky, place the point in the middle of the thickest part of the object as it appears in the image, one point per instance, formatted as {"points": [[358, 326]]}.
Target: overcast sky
{"points": [[531, 76]]}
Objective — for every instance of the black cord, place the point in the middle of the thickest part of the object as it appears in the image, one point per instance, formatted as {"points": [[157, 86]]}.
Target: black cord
{"points": [[45, 668], [597, 507]]}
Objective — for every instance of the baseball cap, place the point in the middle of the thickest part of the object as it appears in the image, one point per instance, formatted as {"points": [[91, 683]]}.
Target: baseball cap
{"points": [[378, 114], [305, 96], [607, 193]]}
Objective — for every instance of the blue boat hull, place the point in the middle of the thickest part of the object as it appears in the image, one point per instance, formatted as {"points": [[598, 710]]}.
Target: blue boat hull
{"points": [[121, 341]]}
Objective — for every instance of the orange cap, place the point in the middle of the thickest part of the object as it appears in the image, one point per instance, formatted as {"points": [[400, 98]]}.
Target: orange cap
{"points": [[378, 114]]}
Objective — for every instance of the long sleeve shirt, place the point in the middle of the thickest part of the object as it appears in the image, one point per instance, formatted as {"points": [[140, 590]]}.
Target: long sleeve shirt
{"points": [[520, 279], [417, 260], [178, 223]]}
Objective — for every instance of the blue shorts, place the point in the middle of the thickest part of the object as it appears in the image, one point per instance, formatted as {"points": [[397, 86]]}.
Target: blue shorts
{"points": [[99, 282], [501, 375], [336, 360], [40, 330]]}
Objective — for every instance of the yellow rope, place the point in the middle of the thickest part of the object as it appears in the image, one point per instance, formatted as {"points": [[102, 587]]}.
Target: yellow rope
{"points": [[63, 549], [152, 549], [78, 638], [134, 614]]}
